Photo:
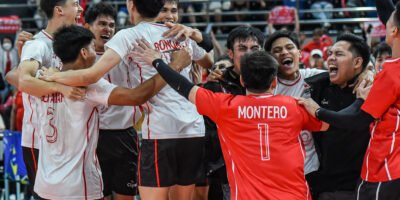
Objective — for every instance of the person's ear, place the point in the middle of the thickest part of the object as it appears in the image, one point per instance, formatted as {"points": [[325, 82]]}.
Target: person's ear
{"points": [[84, 53], [230, 54], [58, 11], [87, 26], [357, 63], [273, 84]]}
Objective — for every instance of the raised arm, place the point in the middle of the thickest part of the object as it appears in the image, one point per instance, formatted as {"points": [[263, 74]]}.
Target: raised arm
{"points": [[142, 93], [85, 77]]}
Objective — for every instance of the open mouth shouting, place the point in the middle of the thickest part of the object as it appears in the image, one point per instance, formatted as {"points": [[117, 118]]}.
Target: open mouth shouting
{"points": [[287, 63], [333, 70], [105, 37]]}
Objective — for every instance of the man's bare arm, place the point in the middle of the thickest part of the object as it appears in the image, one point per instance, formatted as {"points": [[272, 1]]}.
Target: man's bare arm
{"points": [[28, 83], [12, 77], [85, 77]]}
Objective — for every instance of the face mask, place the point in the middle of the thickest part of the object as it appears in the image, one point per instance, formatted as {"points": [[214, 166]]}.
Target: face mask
{"points": [[7, 46]]}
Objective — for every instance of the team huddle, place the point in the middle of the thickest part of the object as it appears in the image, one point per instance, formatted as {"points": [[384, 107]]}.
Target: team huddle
{"points": [[85, 88]]}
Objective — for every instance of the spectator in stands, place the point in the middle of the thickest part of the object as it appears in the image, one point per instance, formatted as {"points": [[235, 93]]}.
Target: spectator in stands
{"points": [[283, 13], [381, 53], [240, 5], [324, 16], [216, 7], [316, 59], [8, 60], [191, 8], [319, 41]]}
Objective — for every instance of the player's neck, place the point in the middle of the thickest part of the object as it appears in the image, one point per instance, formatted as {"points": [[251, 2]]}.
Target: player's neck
{"points": [[396, 49], [73, 65], [144, 19], [269, 91], [52, 26], [290, 77]]}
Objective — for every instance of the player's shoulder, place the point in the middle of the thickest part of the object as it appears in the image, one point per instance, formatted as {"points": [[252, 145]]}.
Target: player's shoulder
{"points": [[37, 43], [391, 64], [153, 26], [308, 72]]}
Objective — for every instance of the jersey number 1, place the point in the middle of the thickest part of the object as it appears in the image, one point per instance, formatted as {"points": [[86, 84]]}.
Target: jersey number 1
{"points": [[264, 141]]}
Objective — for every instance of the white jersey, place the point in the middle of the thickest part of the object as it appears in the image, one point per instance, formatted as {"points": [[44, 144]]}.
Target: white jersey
{"points": [[119, 117], [172, 116], [41, 50], [68, 167], [299, 88]]}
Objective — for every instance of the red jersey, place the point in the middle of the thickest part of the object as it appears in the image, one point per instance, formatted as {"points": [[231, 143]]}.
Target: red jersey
{"points": [[382, 159], [261, 144]]}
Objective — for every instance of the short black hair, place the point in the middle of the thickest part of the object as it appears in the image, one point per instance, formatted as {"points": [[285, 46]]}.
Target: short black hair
{"points": [[47, 6], [382, 48], [358, 47], [149, 8], [69, 40], [243, 33], [258, 70], [397, 14], [100, 9], [281, 34]]}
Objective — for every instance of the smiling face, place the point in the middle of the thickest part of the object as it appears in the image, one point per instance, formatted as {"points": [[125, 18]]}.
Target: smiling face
{"points": [[343, 65], [169, 13], [71, 12], [287, 54], [103, 29]]}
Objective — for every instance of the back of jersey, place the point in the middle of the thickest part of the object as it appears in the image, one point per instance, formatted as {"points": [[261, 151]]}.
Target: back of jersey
{"points": [[41, 50], [172, 116], [260, 140], [68, 168]]}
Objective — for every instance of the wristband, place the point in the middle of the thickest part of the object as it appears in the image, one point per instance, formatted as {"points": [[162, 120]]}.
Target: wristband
{"points": [[317, 112]]}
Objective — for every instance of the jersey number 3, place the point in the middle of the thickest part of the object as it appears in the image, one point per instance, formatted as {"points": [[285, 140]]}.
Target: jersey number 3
{"points": [[264, 141], [51, 135]]}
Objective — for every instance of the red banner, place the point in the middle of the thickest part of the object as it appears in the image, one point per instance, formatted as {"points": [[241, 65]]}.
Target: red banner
{"points": [[282, 15], [10, 24]]}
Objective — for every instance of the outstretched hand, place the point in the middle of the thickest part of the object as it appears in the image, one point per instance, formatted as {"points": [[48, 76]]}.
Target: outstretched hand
{"points": [[367, 76], [180, 59], [181, 32], [363, 90], [310, 105], [144, 51]]}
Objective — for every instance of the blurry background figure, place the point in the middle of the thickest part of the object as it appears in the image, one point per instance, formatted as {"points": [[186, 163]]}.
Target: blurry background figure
{"points": [[381, 53], [283, 16], [8, 60], [316, 59], [322, 5], [122, 16], [217, 7]]}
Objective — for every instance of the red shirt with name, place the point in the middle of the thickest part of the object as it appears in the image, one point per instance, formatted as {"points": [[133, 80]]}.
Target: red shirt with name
{"points": [[382, 159], [261, 144]]}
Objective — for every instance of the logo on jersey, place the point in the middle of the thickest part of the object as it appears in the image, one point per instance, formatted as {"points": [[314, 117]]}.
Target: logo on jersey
{"points": [[324, 102], [167, 45], [306, 91]]}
